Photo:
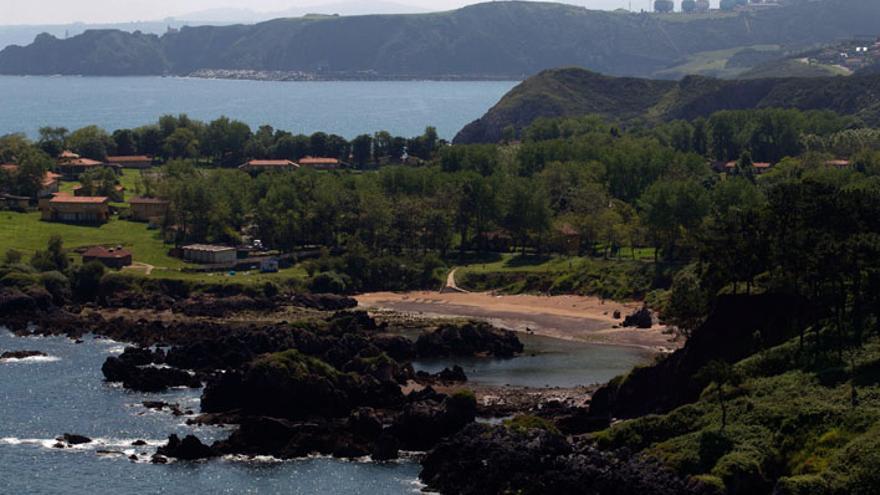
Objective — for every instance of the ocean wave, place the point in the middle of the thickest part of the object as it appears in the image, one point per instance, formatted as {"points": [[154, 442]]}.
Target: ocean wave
{"points": [[32, 359]]}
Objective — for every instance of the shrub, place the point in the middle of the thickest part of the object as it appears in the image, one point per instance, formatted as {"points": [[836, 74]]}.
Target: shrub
{"points": [[329, 283], [525, 422], [19, 280], [87, 280], [57, 284], [741, 472]]}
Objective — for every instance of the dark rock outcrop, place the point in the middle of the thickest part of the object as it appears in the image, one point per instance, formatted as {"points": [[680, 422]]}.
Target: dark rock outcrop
{"points": [[485, 459], [188, 449], [424, 423], [471, 339], [324, 302], [147, 378], [640, 319], [73, 439]]}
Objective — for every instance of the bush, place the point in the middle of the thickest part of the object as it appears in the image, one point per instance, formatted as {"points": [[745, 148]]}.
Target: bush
{"points": [[525, 422], [87, 280], [802, 485], [742, 473], [57, 284], [19, 280], [329, 283]]}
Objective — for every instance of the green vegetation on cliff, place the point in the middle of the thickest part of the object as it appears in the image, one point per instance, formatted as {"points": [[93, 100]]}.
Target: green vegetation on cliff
{"points": [[576, 92]]}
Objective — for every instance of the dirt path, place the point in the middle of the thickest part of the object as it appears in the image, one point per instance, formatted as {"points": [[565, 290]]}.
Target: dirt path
{"points": [[576, 318], [451, 285]]}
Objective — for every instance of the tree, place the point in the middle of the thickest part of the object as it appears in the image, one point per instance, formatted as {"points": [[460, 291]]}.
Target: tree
{"points": [[91, 142], [54, 258], [745, 168], [52, 140], [126, 142], [671, 210], [664, 6], [182, 143], [688, 303], [362, 150], [100, 182], [32, 168], [689, 6], [722, 377]]}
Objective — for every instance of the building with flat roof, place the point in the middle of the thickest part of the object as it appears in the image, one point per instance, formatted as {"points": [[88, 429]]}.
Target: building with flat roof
{"points": [[76, 209], [210, 254], [110, 257]]}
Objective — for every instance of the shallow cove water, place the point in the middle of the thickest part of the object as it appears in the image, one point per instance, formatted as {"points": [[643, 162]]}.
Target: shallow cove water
{"points": [[347, 108], [43, 398], [547, 362]]}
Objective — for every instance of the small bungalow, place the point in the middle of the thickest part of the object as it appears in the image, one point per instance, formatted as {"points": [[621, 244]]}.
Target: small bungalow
{"points": [[255, 166], [110, 257], [51, 184], [131, 161], [15, 203], [150, 210], [209, 254], [73, 209], [319, 163]]}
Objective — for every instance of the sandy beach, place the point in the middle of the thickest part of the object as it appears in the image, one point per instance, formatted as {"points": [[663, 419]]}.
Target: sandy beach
{"points": [[575, 318]]}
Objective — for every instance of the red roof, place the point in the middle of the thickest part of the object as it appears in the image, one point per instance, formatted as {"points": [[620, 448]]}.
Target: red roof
{"points": [[106, 253], [83, 162], [838, 163], [270, 163], [9, 167], [310, 160], [67, 154], [129, 159], [50, 177], [66, 199]]}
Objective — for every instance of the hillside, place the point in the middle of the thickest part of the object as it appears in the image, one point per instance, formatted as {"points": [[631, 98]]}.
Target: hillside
{"points": [[495, 40], [572, 92]]}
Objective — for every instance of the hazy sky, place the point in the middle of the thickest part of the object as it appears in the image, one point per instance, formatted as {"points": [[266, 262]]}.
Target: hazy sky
{"points": [[95, 11]]}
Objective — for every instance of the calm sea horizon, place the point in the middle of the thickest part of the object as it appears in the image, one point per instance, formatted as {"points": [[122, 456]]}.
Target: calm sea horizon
{"points": [[347, 108]]}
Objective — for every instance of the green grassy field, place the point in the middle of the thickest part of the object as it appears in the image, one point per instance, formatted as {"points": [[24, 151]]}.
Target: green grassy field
{"points": [[26, 233], [619, 279]]}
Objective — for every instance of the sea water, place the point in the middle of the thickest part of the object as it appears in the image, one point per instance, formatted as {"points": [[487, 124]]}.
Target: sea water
{"points": [[45, 397], [347, 108]]}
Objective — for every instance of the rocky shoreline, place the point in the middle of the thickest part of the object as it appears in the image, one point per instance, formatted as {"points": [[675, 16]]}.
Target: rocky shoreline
{"points": [[300, 375]]}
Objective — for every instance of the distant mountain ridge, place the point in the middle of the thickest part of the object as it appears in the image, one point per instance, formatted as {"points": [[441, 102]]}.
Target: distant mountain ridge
{"points": [[498, 40], [576, 92]]}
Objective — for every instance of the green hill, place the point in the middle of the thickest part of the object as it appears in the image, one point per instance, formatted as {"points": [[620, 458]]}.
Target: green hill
{"points": [[497, 40], [574, 92]]}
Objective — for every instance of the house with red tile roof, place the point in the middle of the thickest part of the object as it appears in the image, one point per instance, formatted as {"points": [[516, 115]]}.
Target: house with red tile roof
{"points": [[320, 163]]}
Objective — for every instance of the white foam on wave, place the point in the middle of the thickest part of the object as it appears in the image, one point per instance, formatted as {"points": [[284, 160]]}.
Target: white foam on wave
{"points": [[32, 359]]}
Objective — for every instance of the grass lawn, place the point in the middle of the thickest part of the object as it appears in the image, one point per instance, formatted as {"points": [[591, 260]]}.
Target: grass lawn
{"points": [[541, 264], [25, 232]]}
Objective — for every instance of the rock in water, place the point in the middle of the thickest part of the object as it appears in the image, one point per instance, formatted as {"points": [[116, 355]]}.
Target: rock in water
{"points": [[72, 439], [188, 449], [640, 319]]}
